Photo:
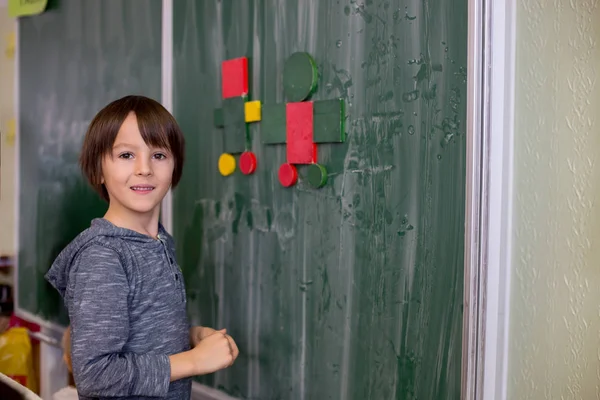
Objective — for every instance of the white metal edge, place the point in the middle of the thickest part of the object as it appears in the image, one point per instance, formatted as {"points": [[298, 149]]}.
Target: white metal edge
{"points": [[203, 392], [24, 393], [55, 329], [167, 94], [498, 236], [472, 351], [502, 112]]}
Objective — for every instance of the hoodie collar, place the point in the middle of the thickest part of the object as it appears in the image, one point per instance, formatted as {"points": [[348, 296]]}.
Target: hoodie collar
{"points": [[107, 226]]}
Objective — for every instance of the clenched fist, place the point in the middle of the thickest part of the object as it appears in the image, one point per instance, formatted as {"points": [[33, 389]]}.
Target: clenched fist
{"points": [[214, 352]]}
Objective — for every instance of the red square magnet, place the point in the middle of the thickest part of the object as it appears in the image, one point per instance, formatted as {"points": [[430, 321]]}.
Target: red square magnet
{"points": [[234, 77]]}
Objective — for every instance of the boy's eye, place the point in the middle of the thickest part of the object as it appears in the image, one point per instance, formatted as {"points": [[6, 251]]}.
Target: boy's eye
{"points": [[160, 156], [126, 155]]}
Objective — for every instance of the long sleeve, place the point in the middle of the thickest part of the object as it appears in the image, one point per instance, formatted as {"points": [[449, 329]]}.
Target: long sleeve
{"points": [[97, 299]]}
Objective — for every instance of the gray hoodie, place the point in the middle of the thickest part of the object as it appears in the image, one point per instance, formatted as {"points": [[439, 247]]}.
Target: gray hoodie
{"points": [[126, 300]]}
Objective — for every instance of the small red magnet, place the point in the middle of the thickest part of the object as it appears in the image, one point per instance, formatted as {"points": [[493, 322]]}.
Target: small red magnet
{"points": [[248, 163], [234, 77], [288, 175]]}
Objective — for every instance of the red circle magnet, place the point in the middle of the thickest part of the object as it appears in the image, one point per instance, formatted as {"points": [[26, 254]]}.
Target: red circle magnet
{"points": [[248, 163], [288, 175]]}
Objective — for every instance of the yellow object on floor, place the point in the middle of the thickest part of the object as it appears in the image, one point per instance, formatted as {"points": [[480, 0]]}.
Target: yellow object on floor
{"points": [[16, 360]]}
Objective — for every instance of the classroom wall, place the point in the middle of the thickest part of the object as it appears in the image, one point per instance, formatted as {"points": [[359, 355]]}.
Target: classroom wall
{"points": [[7, 132], [555, 318]]}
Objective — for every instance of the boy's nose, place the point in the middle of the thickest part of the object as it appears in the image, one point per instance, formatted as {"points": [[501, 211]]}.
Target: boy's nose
{"points": [[143, 167]]}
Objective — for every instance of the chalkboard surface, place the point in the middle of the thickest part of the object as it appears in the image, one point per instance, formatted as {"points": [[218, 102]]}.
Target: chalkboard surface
{"points": [[73, 60], [354, 290]]}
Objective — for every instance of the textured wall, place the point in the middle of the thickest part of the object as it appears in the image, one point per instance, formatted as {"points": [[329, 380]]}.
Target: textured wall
{"points": [[7, 152], [555, 320]]}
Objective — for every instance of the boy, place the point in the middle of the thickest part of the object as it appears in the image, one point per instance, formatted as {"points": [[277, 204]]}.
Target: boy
{"points": [[123, 288]]}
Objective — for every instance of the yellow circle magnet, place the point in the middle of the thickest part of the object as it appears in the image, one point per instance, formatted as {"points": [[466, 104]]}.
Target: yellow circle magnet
{"points": [[226, 164]]}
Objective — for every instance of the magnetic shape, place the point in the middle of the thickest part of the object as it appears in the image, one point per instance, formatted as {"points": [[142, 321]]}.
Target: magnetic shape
{"points": [[248, 163], [218, 118], [299, 76], [329, 116], [299, 133], [288, 175], [234, 77], [272, 126], [235, 134], [226, 164], [252, 111], [317, 176]]}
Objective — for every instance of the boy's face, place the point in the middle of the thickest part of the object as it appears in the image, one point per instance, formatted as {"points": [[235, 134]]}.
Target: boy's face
{"points": [[136, 176]]}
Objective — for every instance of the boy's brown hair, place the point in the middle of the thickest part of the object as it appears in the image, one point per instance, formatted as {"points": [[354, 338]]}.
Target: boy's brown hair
{"points": [[157, 127]]}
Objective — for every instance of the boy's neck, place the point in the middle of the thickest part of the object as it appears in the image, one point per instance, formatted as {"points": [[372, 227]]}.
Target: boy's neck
{"points": [[146, 224]]}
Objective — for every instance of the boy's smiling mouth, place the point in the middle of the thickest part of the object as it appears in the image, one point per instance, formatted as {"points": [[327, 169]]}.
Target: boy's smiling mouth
{"points": [[142, 188]]}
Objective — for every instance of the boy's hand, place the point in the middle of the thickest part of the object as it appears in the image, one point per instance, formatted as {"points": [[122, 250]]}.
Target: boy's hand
{"points": [[214, 352], [197, 333]]}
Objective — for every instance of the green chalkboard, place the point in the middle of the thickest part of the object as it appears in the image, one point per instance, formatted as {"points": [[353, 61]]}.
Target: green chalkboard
{"points": [[354, 290], [73, 60]]}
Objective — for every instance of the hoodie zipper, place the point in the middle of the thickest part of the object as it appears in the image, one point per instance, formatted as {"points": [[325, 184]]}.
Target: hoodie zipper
{"points": [[176, 271]]}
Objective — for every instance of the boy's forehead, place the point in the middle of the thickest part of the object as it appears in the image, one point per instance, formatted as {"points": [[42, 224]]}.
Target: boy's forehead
{"points": [[118, 145], [129, 128], [129, 134], [132, 142]]}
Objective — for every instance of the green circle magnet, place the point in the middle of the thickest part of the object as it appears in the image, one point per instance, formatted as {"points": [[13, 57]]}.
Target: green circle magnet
{"points": [[299, 77], [317, 175]]}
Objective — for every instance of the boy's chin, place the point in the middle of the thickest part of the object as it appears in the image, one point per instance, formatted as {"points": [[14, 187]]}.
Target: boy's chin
{"points": [[139, 209], [143, 206]]}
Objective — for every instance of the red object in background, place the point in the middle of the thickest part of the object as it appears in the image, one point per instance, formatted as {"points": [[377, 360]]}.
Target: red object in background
{"points": [[288, 175], [19, 379], [248, 163], [234, 77], [301, 148]]}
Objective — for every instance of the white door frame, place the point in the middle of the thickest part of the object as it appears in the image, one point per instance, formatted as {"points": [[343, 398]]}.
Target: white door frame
{"points": [[488, 235]]}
